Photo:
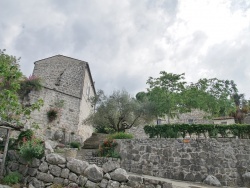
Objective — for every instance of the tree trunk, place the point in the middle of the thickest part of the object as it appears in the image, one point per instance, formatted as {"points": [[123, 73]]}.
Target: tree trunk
{"points": [[5, 153]]}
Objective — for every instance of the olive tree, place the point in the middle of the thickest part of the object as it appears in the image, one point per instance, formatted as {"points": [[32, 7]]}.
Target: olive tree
{"points": [[117, 112]]}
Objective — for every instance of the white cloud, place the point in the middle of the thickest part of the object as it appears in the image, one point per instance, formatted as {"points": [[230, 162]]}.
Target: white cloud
{"points": [[127, 41]]}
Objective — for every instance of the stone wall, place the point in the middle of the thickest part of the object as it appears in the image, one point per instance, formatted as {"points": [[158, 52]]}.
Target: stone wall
{"points": [[70, 172], [226, 159]]}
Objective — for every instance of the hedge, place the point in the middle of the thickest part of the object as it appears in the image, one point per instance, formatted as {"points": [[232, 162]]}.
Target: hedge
{"points": [[207, 130]]}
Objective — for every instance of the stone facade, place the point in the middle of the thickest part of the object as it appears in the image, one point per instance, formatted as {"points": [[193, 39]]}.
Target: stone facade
{"points": [[226, 159], [196, 116], [224, 121], [68, 80]]}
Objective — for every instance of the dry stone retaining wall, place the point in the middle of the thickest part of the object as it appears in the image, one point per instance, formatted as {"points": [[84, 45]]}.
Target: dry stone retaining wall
{"points": [[226, 159], [70, 172]]}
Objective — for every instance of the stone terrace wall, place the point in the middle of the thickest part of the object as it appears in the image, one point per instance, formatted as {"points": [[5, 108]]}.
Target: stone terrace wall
{"points": [[226, 159], [70, 172]]}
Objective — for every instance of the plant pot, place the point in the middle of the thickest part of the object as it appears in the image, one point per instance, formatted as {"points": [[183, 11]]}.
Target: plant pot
{"points": [[70, 152]]}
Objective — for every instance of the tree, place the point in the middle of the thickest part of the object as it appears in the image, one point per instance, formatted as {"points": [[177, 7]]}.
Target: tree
{"points": [[165, 93], [217, 96], [117, 112], [11, 108]]}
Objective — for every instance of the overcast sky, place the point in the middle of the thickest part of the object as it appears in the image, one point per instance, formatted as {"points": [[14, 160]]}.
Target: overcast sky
{"points": [[126, 41]]}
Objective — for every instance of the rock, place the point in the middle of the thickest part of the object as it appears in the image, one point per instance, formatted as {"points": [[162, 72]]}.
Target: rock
{"points": [[23, 169], [73, 177], [66, 182], [52, 143], [55, 159], [107, 176], [44, 167], [113, 184], [90, 184], [119, 175], [94, 173], [35, 163], [246, 176], [45, 177], [36, 183], [110, 166], [211, 180], [82, 181], [135, 179], [12, 155], [167, 185], [48, 146], [59, 135], [246, 179], [77, 166], [55, 170], [73, 185], [104, 183], [58, 180], [13, 166], [32, 171], [65, 173]]}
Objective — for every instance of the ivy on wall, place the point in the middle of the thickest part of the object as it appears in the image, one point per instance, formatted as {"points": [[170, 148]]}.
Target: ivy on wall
{"points": [[207, 130]]}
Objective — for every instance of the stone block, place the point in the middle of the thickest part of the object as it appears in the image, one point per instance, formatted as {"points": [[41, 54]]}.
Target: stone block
{"points": [[55, 170]]}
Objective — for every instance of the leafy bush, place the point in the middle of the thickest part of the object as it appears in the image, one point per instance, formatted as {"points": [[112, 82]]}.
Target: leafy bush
{"points": [[31, 149], [177, 130], [121, 135], [52, 114], [12, 178], [75, 145], [107, 149]]}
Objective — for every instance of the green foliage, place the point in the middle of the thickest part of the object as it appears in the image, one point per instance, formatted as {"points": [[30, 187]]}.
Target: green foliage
{"points": [[27, 135], [31, 149], [165, 91], [75, 145], [52, 114], [117, 112], [11, 109], [103, 129], [29, 84], [177, 130], [107, 149], [121, 135], [171, 95], [12, 178]]}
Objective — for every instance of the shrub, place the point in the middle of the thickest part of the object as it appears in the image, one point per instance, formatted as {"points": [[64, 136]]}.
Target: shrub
{"points": [[12, 178], [107, 149], [31, 149], [121, 135], [177, 130], [29, 84], [28, 135], [75, 145], [52, 114]]}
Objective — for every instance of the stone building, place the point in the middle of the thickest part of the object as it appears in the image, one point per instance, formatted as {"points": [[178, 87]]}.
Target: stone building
{"points": [[67, 87], [196, 116]]}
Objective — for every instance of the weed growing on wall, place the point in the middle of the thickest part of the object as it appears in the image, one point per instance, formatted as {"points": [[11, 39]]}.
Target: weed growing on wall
{"points": [[12, 178], [107, 149]]}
